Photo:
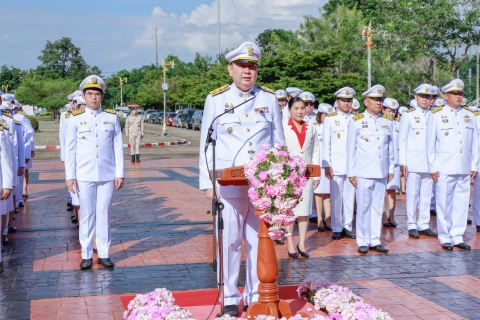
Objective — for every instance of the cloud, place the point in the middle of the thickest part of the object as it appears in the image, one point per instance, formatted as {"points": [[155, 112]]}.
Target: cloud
{"points": [[114, 42]]}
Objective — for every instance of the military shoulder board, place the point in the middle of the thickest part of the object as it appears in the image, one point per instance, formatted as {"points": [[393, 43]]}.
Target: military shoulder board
{"points": [[67, 115], [437, 109], [477, 113], [468, 109], [63, 110], [411, 109], [358, 117], [387, 117], [1, 128], [266, 89], [17, 122], [333, 114], [77, 112], [219, 90], [397, 120], [110, 111]]}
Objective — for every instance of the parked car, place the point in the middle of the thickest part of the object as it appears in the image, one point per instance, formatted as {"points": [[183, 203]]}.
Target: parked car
{"points": [[147, 114], [197, 119], [170, 117], [177, 122], [152, 116], [186, 118], [159, 118]]}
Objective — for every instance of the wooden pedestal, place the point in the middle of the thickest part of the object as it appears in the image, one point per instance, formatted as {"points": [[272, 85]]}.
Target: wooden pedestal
{"points": [[268, 302]]}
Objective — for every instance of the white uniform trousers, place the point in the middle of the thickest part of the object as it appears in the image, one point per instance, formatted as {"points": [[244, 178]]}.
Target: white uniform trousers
{"points": [[433, 201], [96, 203], [73, 199], [69, 197], [342, 197], [9, 207], [19, 189], [476, 200], [418, 195], [239, 222], [453, 196], [370, 198]]}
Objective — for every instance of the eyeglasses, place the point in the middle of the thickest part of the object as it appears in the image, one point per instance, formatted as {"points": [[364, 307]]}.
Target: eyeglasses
{"points": [[282, 100], [345, 99], [309, 104], [425, 96]]}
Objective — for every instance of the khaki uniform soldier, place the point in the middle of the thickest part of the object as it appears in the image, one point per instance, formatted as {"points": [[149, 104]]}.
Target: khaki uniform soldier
{"points": [[134, 133]]}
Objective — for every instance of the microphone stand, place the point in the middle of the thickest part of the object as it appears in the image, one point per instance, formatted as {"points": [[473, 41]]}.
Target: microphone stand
{"points": [[217, 208]]}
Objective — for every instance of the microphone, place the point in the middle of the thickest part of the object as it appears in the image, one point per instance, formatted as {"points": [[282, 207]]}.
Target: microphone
{"points": [[210, 129]]}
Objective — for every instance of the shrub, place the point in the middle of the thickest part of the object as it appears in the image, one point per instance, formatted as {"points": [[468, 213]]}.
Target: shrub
{"points": [[34, 122]]}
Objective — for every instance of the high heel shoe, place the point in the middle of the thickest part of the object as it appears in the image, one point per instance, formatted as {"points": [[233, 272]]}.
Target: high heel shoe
{"points": [[302, 253], [392, 224], [325, 226], [292, 255]]}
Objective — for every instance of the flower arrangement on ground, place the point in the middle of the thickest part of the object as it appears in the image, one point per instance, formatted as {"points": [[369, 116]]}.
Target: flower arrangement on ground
{"points": [[158, 305], [338, 302], [276, 179]]}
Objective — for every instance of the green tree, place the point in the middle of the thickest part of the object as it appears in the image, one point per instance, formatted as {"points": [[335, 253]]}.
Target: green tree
{"points": [[269, 38], [63, 59], [11, 77]]}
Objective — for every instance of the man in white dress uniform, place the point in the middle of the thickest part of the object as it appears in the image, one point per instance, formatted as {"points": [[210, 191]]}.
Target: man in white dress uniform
{"points": [[453, 158], [236, 133], [94, 168], [413, 163], [7, 176], [370, 167], [334, 160]]}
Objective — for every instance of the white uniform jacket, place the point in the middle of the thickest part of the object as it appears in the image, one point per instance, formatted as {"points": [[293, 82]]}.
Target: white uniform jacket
{"points": [[310, 152], [61, 134], [452, 141], [7, 174], [413, 139], [370, 149], [246, 128], [334, 150], [93, 146]]}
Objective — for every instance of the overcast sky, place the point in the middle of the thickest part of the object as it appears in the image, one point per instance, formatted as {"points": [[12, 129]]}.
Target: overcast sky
{"points": [[120, 34]]}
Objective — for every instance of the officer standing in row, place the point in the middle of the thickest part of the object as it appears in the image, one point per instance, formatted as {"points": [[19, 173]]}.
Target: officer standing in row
{"points": [[94, 168], [414, 164], [370, 167], [236, 133], [453, 159], [309, 100], [334, 160], [355, 107], [282, 100], [134, 132]]}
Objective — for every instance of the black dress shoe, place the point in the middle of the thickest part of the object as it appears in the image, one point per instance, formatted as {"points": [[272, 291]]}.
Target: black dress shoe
{"points": [[462, 246], [74, 220], [70, 208], [478, 228], [86, 264], [428, 233], [325, 226], [379, 248], [25, 195], [336, 236], [447, 246], [348, 234], [313, 219], [106, 262], [293, 255], [21, 205], [363, 249], [231, 310], [469, 221], [413, 233], [433, 212], [5, 240], [1, 267], [69, 204], [304, 254], [280, 241], [16, 210], [245, 308], [12, 230], [387, 224]]}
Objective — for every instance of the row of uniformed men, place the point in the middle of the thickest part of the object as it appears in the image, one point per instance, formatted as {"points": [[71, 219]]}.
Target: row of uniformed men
{"points": [[351, 145], [16, 151]]}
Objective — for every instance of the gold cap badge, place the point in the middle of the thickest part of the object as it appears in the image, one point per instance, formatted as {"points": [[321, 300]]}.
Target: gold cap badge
{"points": [[458, 84], [94, 80], [250, 50], [379, 90], [347, 91], [426, 89]]}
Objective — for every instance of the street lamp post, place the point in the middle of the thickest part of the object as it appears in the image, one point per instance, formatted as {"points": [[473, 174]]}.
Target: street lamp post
{"points": [[367, 37], [122, 80], [165, 66]]}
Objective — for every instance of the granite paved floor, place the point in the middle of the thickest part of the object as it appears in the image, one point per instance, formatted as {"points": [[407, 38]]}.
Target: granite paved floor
{"points": [[161, 237]]}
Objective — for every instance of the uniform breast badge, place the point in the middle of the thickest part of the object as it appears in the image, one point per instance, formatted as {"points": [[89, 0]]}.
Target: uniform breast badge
{"points": [[228, 108], [364, 124], [230, 130]]}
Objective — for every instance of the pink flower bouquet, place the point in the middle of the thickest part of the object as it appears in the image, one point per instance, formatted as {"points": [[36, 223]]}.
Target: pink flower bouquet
{"points": [[276, 179]]}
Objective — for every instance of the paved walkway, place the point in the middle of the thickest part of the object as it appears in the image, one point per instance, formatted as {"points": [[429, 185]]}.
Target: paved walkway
{"points": [[161, 237]]}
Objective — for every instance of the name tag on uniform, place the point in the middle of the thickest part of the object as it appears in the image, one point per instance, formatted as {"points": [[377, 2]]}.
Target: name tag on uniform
{"points": [[468, 120], [385, 127], [445, 120], [108, 123], [261, 110]]}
